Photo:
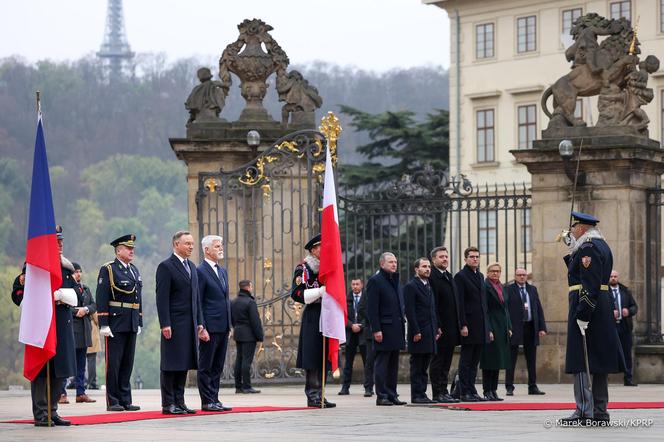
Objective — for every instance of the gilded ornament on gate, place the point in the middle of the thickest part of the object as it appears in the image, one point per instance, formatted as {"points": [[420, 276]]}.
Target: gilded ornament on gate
{"points": [[211, 184], [330, 127]]}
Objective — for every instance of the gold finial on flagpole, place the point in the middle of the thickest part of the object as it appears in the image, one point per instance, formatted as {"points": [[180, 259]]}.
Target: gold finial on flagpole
{"points": [[330, 127], [38, 102]]}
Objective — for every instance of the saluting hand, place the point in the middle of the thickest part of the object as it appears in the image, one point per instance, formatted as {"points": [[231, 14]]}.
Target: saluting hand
{"points": [[166, 331]]}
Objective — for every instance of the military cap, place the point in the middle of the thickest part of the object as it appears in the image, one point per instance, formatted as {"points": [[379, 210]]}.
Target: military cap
{"points": [[126, 240], [583, 218], [313, 242], [76, 265], [58, 232]]}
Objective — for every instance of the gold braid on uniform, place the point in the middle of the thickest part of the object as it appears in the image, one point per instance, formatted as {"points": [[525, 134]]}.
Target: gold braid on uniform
{"points": [[114, 287], [583, 296]]}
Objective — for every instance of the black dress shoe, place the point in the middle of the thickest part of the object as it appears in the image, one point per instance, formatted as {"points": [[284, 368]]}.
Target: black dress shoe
{"points": [[488, 396], [469, 398], [384, 402], [41, 423], [223, 407], [116, 407], [450, 398], [422, 400], [250, 390], [495, 396], [535, 390], [172, 409], [186, 409], [575, 420], [329, 404], [509, 393], [314, 404], [344, 392], [131, 407], [398, 402], [60, 422], [211, 407], [630, 384], [368, 393]]}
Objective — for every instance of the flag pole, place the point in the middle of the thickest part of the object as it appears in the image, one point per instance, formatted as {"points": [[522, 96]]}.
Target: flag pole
{"points": [[322, 395]]}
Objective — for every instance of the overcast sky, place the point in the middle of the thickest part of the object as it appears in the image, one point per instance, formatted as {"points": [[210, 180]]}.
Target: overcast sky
{"points": [[370, 34]]}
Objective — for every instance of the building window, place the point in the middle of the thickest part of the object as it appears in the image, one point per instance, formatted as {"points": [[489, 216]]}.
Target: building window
{"points": [[527, 116], [484, 40], [578, 110], [485, 136], [488, 231], [569, 16], [526, 34], [621, 9], [526, 231]]}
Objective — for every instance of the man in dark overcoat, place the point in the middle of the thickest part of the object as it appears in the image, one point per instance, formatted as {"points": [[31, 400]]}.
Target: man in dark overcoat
{"points": [[82, 325], [247, 331], [63, 364], [589, 266], [528, 326], [367, 336], [385, 310], [423, 331], [120, 313], [181, 322], [624, 309], [215, 303], [307, 290], [447, 303], [475, 327]]}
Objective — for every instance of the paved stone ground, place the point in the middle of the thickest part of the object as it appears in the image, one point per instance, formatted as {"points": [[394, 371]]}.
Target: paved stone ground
{"points": [[355, 418]]}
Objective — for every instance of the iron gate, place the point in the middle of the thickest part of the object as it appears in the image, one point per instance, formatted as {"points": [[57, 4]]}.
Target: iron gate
{"points": [[653, 246]]}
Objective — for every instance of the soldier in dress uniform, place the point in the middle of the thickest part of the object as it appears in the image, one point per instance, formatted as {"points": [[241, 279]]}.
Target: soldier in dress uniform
{"points": [[308, 290], [120, 313], [589, 266]]}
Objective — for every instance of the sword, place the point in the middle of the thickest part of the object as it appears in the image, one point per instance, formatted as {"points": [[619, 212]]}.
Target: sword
{"points": [[585, 354]]}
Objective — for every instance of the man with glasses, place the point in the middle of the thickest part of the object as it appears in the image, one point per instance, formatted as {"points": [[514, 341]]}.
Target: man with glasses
{"points": [[475, 327], [528, 326]]}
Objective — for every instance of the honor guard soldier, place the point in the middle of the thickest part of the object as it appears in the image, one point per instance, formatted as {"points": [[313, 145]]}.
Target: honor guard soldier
{"points": [[120, 311], [592, 340], [308, 290]]}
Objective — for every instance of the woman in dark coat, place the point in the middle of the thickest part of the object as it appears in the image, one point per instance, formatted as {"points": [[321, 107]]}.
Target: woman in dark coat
{"points": [[496, 355]]}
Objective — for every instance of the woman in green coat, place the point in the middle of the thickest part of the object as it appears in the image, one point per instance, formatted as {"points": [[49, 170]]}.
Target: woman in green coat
{"points": [[496, 355]]}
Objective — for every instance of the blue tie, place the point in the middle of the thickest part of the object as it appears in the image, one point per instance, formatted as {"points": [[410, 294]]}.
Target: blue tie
{"points": [[186, 267]]}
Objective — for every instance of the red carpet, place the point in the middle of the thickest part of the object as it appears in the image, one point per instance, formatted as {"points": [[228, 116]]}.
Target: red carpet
{"points": [[509, 406], [128, 416]]}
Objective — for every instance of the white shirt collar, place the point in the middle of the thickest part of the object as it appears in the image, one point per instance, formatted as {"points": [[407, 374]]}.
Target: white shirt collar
{"points": [[179, 257], [213, 264]]}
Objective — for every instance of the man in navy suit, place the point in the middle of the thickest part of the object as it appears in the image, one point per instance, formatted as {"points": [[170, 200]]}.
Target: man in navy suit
{"points": [[475, 329], [385, 310], [355, 334], [181, 322], [624, 308], [528, 326], [423, 331], [216, 305]]}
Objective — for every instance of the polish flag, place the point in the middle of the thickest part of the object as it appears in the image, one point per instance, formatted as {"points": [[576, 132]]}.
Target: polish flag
{"points": [[333, 309], [43, 274]]}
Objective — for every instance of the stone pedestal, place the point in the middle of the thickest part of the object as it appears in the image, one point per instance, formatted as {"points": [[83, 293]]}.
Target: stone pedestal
{"points": [[619, 168]]}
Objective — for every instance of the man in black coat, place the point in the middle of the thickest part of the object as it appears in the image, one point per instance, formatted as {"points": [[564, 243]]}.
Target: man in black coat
{"points": [[624, 308], [528, 326], [367, 336], [355, 333], [589, 266], [385, 309], [423, 331], [307, 290], [475, 329], [447, 311], [247, 330], [120, 314], [82, 331], [180, 320], [216, 305], [63, 364]]}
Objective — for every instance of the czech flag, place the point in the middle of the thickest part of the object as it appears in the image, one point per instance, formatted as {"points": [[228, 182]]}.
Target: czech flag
{"points": [[333, 309], [43, 273]]}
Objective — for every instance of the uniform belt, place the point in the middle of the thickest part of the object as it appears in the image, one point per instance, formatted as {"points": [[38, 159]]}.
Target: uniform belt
{"points": [[124, 304], [574, 288]]}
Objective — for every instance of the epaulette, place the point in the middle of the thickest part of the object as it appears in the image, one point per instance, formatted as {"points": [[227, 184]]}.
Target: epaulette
{"points": [[107, 263], [586, 244]]}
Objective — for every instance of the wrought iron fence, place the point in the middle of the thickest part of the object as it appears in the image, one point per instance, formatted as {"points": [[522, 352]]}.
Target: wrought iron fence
{"points": [[653, 270]]}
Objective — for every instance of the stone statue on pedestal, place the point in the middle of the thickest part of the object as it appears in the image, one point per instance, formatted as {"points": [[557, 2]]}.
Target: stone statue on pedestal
{"points": [[206, 100], [301, 98], [608, 69]]}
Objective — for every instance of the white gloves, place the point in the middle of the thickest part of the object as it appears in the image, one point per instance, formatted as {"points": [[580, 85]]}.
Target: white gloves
{"points": [[312, 295], [139, 330], [106, 331], [66, 296], [583, 325]]}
